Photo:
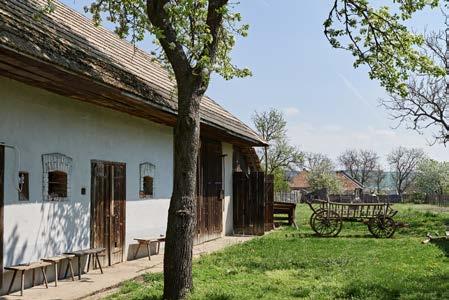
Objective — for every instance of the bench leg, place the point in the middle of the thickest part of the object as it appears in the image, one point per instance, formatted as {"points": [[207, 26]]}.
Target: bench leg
{"points": [[43, 269], [34, 277], [88, 262], [99, 264], [56, 274], [79, 267], [22, 283], [66, 269], [137, 251], [158, 246], [149, 252], [71, 269], [12, 282]]}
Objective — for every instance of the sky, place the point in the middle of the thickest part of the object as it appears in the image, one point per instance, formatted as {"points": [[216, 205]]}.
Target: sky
{"points": [[329, 106]]}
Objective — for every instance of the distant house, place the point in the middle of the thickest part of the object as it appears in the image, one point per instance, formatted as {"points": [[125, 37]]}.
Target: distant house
{"points": [[86, 141], [350, 186], [387, 185]]}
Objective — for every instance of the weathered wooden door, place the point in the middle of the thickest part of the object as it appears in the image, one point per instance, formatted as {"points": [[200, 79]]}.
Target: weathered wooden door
{"points": [[2, 183], [108, 209], [210, 192], [269, 202], [249, 203]]}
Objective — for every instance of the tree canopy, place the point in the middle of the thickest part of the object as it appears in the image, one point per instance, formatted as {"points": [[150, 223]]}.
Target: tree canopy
{"points": [[321, 173], [432, 177], [403, 163], [378, 37], [425, 106], [183, 31], [361, 164], [272, 127]]}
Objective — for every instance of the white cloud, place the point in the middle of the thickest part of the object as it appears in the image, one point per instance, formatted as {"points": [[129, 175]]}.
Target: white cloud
{"points": [[291, 111], [332, 140], [332, 128]]}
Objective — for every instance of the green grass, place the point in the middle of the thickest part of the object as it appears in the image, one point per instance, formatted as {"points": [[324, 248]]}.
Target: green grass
{"points": [[294, 264]]}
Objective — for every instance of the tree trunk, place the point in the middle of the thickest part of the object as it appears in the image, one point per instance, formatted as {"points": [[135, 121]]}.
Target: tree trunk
{"points": [[182, 212]]}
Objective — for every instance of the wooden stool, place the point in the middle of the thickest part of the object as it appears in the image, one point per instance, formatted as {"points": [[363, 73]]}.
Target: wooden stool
{"points": [[92, 254], [25, 267], [146, 242], [160, 240], [55, 260]]}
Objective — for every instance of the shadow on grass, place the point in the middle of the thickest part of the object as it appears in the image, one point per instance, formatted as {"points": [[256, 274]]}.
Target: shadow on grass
{"points": [[314, 235], [219, 296], [443, 244], [434, 287]]}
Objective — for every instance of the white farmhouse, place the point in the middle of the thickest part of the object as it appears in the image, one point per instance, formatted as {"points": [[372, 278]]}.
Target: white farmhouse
{"points": [[86, 141]]}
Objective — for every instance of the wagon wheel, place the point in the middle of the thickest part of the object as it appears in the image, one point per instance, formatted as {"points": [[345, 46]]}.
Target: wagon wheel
{"points": [[326, 223], [382, 227], [312, 217]]}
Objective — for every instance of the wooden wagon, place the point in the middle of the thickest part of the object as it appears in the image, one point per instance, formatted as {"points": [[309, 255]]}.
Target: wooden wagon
{"points": [[327, 217]]}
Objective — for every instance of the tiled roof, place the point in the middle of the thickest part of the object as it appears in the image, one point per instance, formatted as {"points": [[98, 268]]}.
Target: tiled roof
{"points": [[300, 181], [348, 182], [71, 41]]}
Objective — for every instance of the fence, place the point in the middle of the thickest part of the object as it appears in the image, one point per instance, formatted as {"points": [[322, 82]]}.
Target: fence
{"points": [[434, 199], [440, 200], [288, 197], [366, 198]]}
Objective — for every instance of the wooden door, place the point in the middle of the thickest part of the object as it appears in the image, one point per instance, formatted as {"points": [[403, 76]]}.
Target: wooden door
{"points": [[210, 192], [240, 195], [269, 202], [108, 209], [257, 202], [2, 183], [249, 203]]}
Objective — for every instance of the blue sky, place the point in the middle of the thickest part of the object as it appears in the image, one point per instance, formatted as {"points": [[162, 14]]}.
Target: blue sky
{"points": [[329, 105]]}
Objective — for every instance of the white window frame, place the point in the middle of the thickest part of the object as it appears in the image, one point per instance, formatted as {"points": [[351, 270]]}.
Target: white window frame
{"points": [[147, 169], [52, 162]]}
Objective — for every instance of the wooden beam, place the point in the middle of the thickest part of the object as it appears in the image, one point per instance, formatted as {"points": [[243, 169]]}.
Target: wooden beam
{"points": [[57, 80]]}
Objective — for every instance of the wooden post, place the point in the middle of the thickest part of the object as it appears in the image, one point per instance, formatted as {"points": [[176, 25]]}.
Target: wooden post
{"points": [[22, 282], [56, 273]]}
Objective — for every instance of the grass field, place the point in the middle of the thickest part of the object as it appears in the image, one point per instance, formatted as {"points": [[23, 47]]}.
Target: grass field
{"points": [[294, 264]]}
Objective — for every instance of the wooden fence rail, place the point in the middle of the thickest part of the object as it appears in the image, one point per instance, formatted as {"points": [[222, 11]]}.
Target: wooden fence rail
{"points": [[288, 197], [433, 199]]}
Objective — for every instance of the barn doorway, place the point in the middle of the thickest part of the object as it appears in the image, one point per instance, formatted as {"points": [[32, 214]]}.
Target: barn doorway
{"points": [[108, 204], [209, 191]]}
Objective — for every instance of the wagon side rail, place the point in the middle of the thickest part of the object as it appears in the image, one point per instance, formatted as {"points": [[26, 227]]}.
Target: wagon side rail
{"points": [[354, 210], [316, 204]]}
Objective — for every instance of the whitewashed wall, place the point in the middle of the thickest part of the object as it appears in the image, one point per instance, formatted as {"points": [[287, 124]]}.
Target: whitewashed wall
{"points": [[39, 122], [228, 227]]}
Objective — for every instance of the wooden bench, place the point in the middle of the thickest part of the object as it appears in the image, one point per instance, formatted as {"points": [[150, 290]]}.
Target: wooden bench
{"points": [[284, 208], [55, 260], [91, 253], [27, 267], [147, 242]]}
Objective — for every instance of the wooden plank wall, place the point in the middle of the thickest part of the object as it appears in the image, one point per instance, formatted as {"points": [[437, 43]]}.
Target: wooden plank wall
{"points": [[240, 192], [209, 196], [118, 223], [257, 203], [249, 203], [269, 201]]}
